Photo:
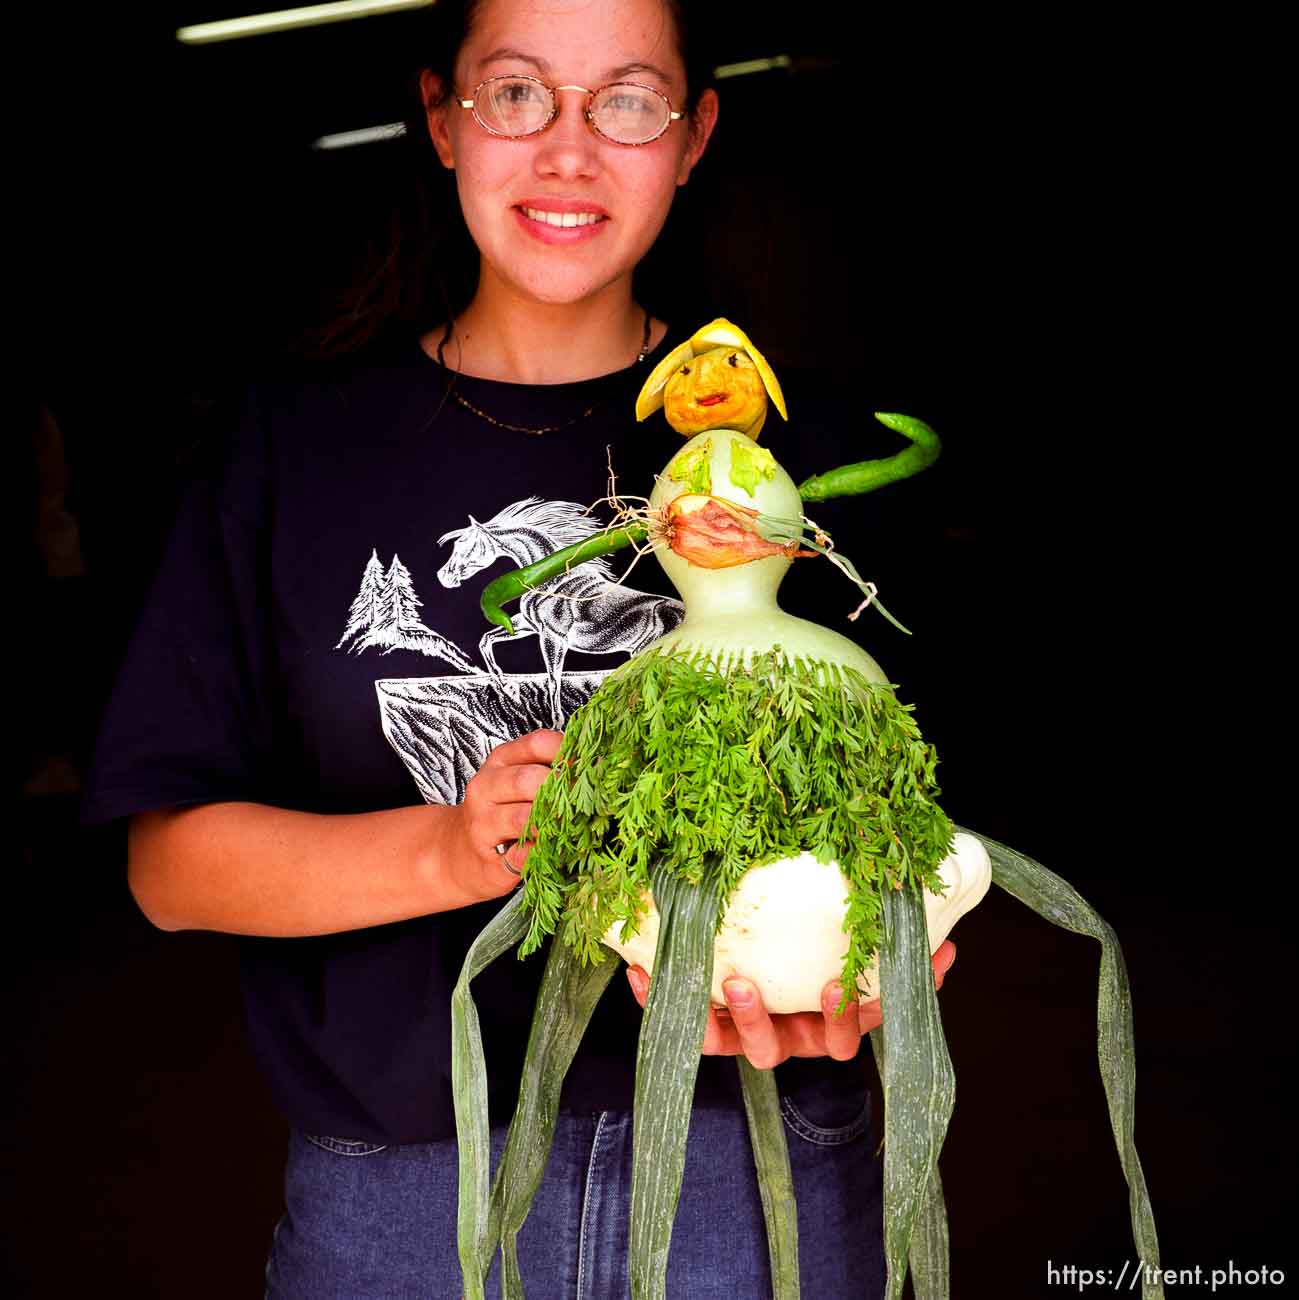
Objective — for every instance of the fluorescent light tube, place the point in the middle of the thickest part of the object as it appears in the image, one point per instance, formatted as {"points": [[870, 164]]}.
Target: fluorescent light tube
{"points": [[752, 65], [283, 20], [363, 135]]}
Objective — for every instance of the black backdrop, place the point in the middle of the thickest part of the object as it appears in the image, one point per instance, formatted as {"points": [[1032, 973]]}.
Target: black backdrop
{"points": [[1004, 227]]}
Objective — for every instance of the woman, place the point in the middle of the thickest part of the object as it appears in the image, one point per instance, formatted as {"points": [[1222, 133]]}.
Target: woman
{"points": [[267, 761]]}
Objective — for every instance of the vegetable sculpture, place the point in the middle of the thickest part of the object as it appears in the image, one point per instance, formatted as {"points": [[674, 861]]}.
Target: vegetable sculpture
{"points": [[748, 796]]}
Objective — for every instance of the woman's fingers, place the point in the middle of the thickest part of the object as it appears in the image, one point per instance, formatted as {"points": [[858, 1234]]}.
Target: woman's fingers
{"points": [[492, 824], [495, 811], [518, 783], [535, 747], [509, 821], [842, 1032], [943, 958], [744, 1027], [720, 1037], [759, 1038], [514, 772], [498, 799]]}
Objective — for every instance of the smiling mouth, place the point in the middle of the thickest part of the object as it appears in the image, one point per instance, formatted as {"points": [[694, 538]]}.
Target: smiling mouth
{"points": [[711, 400], [563, 220]]}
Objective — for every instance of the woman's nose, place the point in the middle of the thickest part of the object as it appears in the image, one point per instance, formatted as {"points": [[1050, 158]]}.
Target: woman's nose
{"points": [[568, 147]]}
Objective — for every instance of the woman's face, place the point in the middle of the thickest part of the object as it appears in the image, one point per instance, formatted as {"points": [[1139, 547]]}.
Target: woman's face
{"points": [[515, 192]]}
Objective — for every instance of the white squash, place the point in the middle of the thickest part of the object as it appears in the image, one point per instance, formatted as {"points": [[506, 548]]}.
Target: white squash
{"points": [[783, 928]]}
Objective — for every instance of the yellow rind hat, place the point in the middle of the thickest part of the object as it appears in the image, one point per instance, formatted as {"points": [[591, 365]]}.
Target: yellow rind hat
{"points": [[719, 333]]}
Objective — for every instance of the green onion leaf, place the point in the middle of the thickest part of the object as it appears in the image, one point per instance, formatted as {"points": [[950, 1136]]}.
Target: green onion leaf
{"points": [[567, 998], [919, 1087], [930, 1254], [1058, 902], [775, 1179], [469, 1080], [667, 1062]]}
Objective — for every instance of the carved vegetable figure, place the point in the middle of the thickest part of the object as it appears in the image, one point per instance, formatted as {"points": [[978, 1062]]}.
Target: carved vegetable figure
{"points": [[747, 796]]}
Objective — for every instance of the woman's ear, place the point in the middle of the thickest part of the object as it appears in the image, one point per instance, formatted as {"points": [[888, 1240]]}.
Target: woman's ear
{"points": [[700, 124], [435, 112]]}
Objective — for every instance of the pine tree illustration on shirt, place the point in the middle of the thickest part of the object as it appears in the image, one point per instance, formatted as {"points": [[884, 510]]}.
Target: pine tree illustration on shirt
{"points": [[364, 612], [385, 615]]}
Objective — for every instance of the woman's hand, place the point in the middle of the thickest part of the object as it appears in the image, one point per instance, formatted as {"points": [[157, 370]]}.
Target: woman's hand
{"points": [[495, 810], [743, 1027]]}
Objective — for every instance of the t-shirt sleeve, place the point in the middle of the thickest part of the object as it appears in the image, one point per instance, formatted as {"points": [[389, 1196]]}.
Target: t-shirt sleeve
{"points": [[189, 718]]}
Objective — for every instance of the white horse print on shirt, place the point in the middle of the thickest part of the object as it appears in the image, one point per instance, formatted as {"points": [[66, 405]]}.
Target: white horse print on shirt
{"points": [[583, 609], [444, 727]]}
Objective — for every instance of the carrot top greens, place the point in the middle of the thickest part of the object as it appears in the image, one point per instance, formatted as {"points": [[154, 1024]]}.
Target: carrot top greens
{"points": [[679, 760]]}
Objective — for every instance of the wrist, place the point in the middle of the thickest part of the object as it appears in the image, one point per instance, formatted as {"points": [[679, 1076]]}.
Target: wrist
{"points": [[439, 863], [452, 873]]}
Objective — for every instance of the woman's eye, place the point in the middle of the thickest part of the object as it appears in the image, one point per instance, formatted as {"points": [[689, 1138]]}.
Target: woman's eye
{"points": [[622, 101], [685, 370], [627, 104], [732, 359], [520, 93], [515, 97]]}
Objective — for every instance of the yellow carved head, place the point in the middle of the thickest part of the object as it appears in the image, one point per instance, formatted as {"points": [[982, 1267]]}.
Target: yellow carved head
{"points": [[715, 380]]}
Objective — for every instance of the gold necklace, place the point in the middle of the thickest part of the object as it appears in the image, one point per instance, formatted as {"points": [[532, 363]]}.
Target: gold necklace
{"points": [[523, 428]]}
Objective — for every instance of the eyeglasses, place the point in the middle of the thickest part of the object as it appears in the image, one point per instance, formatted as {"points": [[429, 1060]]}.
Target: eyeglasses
{"points": [[624, 112]]}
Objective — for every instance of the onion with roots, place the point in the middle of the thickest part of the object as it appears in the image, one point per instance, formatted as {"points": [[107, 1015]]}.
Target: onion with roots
{"points": [[747, 796]]}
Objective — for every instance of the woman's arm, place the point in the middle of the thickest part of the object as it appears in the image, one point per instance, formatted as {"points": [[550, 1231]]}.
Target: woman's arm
{"points": [[248, 868]]}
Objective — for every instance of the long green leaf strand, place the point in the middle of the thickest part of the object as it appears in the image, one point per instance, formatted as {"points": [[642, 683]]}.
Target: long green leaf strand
{"points": [[919, 1083], [469, 1080], [1058, 902], [565, 1003], [667, 1062], [930, 1255], [775, 1178]]}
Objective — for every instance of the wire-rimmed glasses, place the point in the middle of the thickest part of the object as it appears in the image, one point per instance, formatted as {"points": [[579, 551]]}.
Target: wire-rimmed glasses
{"points": [[624, 112]]}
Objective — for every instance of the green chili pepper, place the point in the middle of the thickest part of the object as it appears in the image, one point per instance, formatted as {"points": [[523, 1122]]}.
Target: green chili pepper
{"points": [[867, 475], [510, 586]]}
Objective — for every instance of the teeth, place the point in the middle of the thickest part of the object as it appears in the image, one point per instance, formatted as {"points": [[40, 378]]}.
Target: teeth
{"points": [[563, 219]]}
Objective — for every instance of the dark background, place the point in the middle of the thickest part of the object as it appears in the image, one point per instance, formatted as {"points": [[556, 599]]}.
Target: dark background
{"points": [[1019, 231]]}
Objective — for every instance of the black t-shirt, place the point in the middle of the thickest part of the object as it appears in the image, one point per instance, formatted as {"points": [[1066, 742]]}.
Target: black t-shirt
{"points": [[313, 641]]}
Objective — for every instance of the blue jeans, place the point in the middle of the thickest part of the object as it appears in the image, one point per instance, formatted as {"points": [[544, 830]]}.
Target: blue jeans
{"points": [[365, 1222]]}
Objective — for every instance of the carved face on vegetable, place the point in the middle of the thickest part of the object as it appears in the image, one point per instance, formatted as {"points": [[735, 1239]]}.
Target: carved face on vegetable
{"points": [[717, 379], [719, 387]]}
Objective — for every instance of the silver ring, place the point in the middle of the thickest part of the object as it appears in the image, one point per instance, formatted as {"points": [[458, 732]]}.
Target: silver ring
{"points": [[501, 850]]}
